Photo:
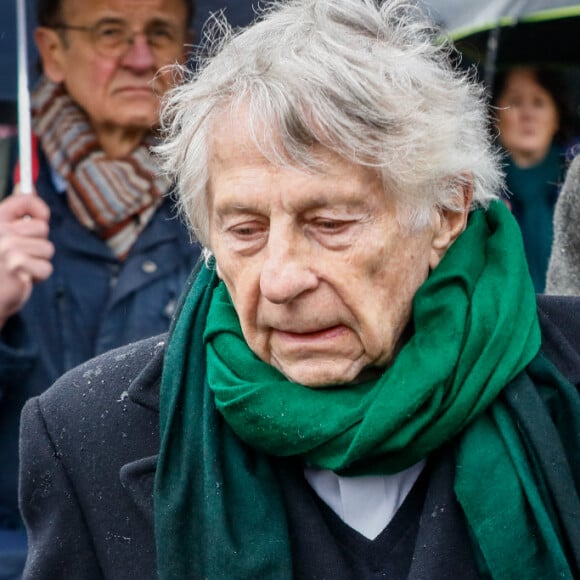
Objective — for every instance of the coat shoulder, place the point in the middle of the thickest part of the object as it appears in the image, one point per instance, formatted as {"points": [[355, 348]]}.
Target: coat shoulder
{"points": [[107, 377], [109, 402], [88, 455]]}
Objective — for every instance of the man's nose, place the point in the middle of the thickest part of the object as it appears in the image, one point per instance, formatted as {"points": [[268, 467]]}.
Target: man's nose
{"points": [[139, 55], [287, 271]]}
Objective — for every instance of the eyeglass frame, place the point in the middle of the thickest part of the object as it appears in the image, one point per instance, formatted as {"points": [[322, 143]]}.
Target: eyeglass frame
{"points": [[129, 38]]}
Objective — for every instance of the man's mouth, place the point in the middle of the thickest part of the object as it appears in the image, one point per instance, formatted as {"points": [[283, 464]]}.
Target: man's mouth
{"points": [[308, 334]]}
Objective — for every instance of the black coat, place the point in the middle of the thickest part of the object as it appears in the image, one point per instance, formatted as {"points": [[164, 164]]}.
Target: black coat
{"points": [[88, 456]]}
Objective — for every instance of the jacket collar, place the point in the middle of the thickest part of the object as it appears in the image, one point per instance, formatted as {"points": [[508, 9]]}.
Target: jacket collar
{"points": [[138, 477], [144, 390]]}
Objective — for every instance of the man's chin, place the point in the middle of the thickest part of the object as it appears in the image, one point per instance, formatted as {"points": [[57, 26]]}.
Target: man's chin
{"points": [[137, 115], [319, 375]]}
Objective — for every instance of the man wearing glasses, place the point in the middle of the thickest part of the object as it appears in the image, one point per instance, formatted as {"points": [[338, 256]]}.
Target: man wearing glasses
{"points": [[95, 259]]}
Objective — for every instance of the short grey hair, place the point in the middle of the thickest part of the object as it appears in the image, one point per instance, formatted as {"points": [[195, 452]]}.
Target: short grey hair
{"points": [[372, 82]]}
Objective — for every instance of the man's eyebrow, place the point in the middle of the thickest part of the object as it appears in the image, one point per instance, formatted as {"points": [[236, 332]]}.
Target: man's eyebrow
{"points": [[155, 21], [342, 200], [230, 208], [111, 20], [160, 20], [227, 208], [236, 208]]}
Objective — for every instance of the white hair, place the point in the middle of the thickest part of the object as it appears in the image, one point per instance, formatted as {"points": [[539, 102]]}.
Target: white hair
{"points": [[372, 82]]}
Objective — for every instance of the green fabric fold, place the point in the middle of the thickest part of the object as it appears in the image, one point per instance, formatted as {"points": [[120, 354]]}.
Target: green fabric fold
{"points": [[207, 483], [218, 510], [539, 520]]}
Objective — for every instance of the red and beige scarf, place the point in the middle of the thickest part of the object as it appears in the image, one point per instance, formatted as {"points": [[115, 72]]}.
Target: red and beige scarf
{"points": [[115, 198]]}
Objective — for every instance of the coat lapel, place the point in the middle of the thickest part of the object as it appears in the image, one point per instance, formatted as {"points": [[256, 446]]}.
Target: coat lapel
{"points": [[137, 477]]}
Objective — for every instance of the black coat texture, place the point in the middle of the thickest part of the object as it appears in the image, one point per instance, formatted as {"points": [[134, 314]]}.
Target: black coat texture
{"points": [[89, 448]]}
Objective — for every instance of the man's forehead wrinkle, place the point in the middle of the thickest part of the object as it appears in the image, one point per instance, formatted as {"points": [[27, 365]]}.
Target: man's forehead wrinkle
{"points": [[118, 10], [241, 197]]}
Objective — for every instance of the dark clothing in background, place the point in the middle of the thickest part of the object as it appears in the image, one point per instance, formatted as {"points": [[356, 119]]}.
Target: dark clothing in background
{"points": [[534, 192]]}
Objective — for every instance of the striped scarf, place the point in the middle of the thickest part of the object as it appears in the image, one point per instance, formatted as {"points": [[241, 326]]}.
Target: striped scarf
{"points": [[115, 198]]}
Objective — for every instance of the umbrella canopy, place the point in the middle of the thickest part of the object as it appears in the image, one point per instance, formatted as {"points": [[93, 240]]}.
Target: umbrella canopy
{"points": [[535, 32]]}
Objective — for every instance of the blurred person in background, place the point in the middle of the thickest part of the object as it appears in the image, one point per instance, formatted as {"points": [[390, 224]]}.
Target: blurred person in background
{"points": [[96, 258], [360, 381], [535, 125]]}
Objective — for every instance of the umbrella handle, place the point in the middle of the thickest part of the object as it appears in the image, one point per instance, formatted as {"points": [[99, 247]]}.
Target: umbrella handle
{"points": [[491, 58], [24, 121]]}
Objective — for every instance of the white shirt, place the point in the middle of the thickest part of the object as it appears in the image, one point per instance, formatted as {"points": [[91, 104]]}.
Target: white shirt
{"points": [[366, 503]]}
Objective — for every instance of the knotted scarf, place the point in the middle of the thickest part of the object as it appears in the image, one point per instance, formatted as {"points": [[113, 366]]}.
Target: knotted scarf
{"points": [[223, 413], [115, 198]]}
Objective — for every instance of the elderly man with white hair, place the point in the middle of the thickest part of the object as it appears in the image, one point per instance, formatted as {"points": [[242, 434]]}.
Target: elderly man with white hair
{"points": [[359, 381]]}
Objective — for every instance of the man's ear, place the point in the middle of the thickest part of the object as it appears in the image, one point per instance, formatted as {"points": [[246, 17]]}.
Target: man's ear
{"points": [[51, 49], [450, 223]]}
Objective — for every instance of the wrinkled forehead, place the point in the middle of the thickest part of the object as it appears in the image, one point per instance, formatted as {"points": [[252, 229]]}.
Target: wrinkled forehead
{"points": [[134, 11], [229, 129], [293, 139], [241, 174]]}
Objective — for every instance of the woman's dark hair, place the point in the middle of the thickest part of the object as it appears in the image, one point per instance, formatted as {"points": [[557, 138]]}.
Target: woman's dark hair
{"points": [[555, 84], [48, 12]]}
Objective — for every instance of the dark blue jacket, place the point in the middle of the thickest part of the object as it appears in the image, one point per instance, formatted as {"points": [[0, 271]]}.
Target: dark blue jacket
{"points": [[89, 305]]}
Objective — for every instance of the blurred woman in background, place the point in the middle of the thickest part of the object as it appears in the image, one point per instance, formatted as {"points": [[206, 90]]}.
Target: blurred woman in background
{"points": [[535, 125]]}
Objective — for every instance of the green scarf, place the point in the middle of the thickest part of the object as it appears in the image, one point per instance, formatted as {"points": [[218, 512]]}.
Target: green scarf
{"points": [[223, 412]]}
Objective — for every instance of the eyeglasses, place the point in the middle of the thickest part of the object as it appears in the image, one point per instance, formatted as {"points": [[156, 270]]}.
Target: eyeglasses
{"points": [[112, 39]]}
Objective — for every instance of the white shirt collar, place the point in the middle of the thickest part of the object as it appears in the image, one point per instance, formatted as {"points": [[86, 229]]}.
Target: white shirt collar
{"points": [[366, 503]]}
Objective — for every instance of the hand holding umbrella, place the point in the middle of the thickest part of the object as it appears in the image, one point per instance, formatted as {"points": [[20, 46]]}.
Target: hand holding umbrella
{"points": [[25, 251]]}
